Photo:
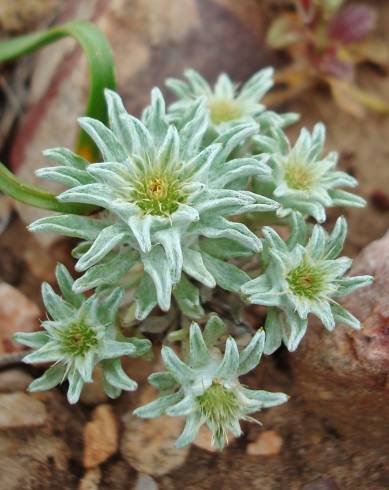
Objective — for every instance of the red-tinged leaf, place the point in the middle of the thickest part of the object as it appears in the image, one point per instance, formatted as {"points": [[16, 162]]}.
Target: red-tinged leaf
{"points": [[330, 64], [306, 10], [352, 23]]}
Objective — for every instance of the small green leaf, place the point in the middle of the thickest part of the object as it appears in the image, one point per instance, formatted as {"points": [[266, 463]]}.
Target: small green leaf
{"points": [[188, 298]]}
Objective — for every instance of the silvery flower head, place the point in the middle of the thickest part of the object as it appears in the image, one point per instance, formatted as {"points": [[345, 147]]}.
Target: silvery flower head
{"points": [[162, 190], [302, 179], [206, 389], [227, 103], [300, 276], [80, 334]]}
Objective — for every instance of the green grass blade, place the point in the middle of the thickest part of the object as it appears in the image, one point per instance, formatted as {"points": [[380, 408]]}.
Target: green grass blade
{"points": [[101, 75], [100, 61], [36, 197]]}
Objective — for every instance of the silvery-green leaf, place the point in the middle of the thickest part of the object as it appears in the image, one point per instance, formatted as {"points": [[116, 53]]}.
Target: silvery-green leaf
{"points": [[182, 408], [109, 272], [198, 349], [31, 339], [341, 315], [212, 227], [230, 363], [338, 235], [145, 297], [194, 266], [293, 331], [107, 240], [104, 138], [63, 156], [266, 398], [347, 285], [114, 375], [47, 353], [258, 84], [69, 225], [54, 304], [214, 329], [65, 283], [156, 265], [171, 243], [273, 330], [162, 381], [140, 227], [154, 116], [115, 109], [158, 407], [75, 386], [188, 298], [65, 175], [344, 198], [227, 276], [224, 248], [178, 369], [85, 365], [108, 304], [111, 349], [251, 354], [51, 378], [190, 431]]}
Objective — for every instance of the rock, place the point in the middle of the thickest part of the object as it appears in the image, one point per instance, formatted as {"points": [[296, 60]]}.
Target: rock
{"points": [[91, 480], [21, 411], [268, 443], [148, 444], [100, 437], [343, 374], [145, 482], [118, 475], [44, 457], [321, 484], [41, 261], [93, 393], [11, 267], [17, 313], [23, 15], [13, 380]]}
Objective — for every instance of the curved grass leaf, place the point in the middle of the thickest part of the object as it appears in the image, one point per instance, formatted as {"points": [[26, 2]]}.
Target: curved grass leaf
{"points": [[101, 75]]}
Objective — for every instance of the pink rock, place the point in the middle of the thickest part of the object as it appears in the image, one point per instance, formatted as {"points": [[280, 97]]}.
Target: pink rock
{"points": [[17, 313], [343, 375], [268, 443], [21, 411]]}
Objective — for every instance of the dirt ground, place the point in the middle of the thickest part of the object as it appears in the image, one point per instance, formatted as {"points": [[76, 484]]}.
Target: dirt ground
{"points": [[48, 451]]}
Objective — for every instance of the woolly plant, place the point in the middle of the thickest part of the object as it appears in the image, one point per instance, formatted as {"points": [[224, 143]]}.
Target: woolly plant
{"points": [[179, 201]]}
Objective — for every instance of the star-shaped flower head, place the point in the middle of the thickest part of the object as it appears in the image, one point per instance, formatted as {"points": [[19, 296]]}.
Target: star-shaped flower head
{"points": [[302, 179], [81, 334], [162, 190], [227, 103], [300, 276], [207, 390]]}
